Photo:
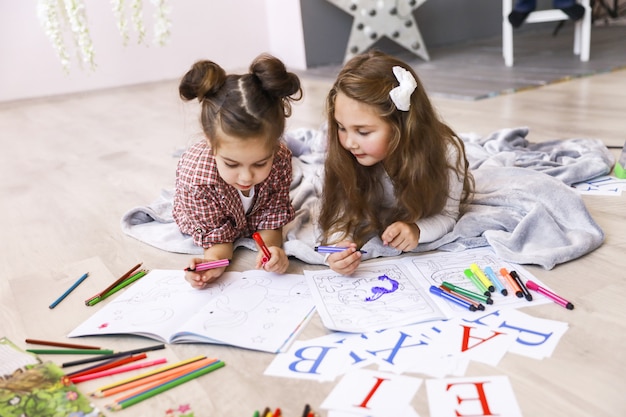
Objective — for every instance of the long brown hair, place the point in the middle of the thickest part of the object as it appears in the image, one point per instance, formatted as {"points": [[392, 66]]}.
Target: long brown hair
{"points": [[246, 105], [416, 161]]}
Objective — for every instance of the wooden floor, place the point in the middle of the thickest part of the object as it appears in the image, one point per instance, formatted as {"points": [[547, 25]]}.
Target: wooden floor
{"points": [[475, 70], [71, 166]]}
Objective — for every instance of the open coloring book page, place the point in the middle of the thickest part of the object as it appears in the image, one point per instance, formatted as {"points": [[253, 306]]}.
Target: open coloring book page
{"points": [[377, 295], [253, 309], [383, 294]]}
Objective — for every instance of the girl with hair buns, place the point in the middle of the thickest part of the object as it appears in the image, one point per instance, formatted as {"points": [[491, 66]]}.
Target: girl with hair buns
{"points": [[393, 168], [236, 182]]}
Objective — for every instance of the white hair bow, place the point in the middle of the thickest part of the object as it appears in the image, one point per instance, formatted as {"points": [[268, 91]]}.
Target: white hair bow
{"points": [[401, 95]]}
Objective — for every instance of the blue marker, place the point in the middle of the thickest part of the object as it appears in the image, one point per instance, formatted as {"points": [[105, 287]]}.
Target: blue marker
{"points": [[446, 295], [494, 278]]}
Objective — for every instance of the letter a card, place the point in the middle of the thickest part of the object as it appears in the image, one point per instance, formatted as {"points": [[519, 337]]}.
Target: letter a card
{"points": [[472, 396]]}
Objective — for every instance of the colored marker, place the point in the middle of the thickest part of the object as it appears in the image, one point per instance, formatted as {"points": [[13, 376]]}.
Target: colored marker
{"points": [[516, 288], [471, 294], [544, 291], [210, 265], [481, 287], [482, 277], [259, 241], [493, 277], [332, 249], [447, 296], [519, 281], [476, 304], [69, 290]]}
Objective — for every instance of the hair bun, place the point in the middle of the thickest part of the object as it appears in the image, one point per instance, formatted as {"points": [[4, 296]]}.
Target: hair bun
{"points": [[203, 80]]}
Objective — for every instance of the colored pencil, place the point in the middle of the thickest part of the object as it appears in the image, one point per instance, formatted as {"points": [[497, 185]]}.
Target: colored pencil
{"points": [[113, 363], [115, 283], [115, 371], [95, 300], [69, 290], [59, 344], [166, 386], [70, 351], [114, 355], [156, 380], [100, 390]]}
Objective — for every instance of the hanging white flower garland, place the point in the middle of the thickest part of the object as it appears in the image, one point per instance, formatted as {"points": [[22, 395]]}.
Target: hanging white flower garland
{"points": [[56, 15]]}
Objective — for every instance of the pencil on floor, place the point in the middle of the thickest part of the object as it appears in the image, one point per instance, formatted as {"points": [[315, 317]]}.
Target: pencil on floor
{"points": [[69, 290], [71, 351], [115, 283], [165, 386], [114, 355], [112, 363], [155, 380], [59, 344], [100, 391], [95, 300], [115, 371]]}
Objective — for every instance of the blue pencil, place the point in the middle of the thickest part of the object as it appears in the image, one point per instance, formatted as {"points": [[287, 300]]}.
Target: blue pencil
{"points": [[69, 290]]}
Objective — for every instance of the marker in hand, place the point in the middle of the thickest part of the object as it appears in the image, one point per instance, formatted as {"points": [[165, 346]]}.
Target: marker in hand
{"points": [[332, 249], [259, 241], [209, 265]]}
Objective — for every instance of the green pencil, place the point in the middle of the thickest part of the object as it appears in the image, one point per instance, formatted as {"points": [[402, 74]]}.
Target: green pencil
{"points": [[115, 289], [70, 351], [165, 386]]}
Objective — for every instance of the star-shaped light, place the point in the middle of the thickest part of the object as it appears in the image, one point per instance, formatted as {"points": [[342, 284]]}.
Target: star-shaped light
{"points": [[374, 19]]}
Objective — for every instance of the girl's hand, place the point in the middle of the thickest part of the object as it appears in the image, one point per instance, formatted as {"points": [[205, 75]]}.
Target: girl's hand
{"points": [[278, 263], [347, 261], [201, 279], [402, 236]]}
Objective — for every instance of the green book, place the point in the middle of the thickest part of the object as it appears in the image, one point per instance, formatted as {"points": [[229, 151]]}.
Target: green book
{"points": [[30, 387]]}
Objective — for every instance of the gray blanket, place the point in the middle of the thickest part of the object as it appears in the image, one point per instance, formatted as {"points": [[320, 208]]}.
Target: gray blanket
{"points": [[524, 207]]}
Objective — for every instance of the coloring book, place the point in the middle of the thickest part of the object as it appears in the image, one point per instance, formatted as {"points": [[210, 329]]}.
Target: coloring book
{"points": [[254, 309], [389, 293], [30, 387]]}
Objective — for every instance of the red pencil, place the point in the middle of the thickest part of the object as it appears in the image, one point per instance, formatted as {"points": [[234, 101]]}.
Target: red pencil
{"points": [[109, 365], [60, 344], [115, 371]]}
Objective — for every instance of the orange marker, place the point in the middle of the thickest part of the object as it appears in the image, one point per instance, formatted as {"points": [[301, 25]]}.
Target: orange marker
{"points": [[516, 288]]}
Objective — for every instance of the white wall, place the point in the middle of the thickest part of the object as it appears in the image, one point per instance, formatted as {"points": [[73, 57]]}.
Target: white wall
{"points": [[230, 33]]}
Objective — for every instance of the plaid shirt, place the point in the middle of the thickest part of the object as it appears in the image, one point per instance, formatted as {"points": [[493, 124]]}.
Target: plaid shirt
{"points": [[211, 211]]}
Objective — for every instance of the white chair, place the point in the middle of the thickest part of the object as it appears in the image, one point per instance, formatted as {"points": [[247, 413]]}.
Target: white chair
{"points": [[582, 33]]}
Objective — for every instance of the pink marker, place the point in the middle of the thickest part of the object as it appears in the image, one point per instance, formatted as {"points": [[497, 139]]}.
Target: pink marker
{"points": [[559, 300], [209, 265]]}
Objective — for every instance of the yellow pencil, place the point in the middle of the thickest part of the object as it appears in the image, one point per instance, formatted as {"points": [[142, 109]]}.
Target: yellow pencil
{"points": [[99, 391]]}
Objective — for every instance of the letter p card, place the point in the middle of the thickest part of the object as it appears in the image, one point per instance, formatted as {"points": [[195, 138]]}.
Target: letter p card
{"points": [[476, 397]]}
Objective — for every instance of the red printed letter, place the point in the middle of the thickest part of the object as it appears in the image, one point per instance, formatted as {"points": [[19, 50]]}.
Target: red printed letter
{"points": [[372, 391], [466, 337], [482, 398]]}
